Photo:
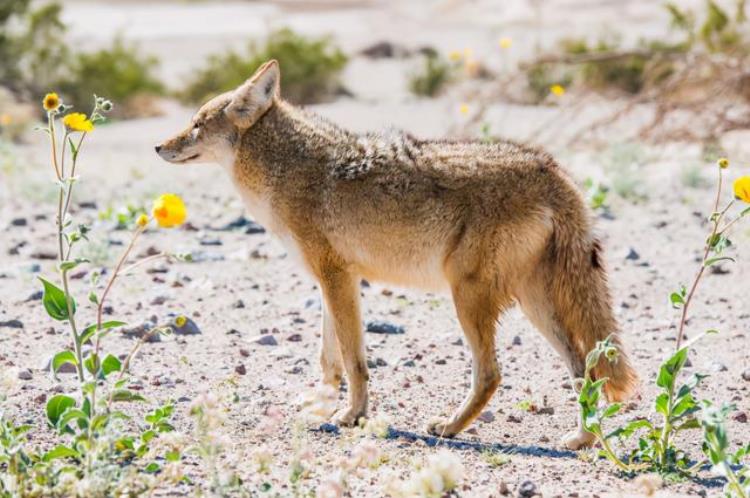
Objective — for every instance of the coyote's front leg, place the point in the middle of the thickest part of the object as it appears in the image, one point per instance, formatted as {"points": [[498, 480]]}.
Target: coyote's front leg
{"points": [[330, 357], [341, 301]]}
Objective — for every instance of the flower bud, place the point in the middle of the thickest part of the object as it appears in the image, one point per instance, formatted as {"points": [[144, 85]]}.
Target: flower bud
{"points": [[723, 163]]}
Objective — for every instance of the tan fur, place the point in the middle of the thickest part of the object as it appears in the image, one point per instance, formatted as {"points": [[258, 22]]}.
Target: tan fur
{"points": [[491, 223]]}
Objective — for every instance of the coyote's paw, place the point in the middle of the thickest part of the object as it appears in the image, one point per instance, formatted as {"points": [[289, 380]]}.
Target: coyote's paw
{"points": [[348, 417], [576, 440], [440, 427]]}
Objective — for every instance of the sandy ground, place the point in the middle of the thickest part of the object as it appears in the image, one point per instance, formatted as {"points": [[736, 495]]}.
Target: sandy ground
{"points": [[424, 372]]}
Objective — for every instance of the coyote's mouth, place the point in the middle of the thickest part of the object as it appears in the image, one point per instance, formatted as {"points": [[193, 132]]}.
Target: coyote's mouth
{"points": [[194, 156]]}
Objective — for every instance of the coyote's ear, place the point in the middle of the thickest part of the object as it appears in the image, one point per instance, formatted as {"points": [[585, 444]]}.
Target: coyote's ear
{"points": [[255, 96]]}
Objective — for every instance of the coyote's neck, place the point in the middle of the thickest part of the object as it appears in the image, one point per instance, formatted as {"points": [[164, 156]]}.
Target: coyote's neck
{"points": [[288, 137]]}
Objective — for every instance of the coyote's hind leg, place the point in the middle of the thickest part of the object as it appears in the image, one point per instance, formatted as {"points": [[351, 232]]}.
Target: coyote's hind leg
{"points": [[478, 304]]}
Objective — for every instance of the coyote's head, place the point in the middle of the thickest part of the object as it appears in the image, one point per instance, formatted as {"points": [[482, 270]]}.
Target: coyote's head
{"points": [[218, 124]]}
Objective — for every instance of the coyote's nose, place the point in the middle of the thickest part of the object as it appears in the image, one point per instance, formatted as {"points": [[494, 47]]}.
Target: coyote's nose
{"points": [[157, 148]]}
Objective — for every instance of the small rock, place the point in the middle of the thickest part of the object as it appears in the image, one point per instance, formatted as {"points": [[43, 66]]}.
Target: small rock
{"points": [[329, 428], [12, 324], [244, 352], [632, 255], [380, 327], [440, 361], [487, 416], [238, 304], [313, 303], [718, 367], [141, 330], [409, 363], [238, 222], [381, 362], [740, 417], [158, 300], [512, 418], [517, 340], [267, 340], [188, 328], [40, 399], [746, 375], [527, 489], [25, 374], [211, 242], [294, 338], [253, 228], [19, 222], [458, 342], [240, 369]]}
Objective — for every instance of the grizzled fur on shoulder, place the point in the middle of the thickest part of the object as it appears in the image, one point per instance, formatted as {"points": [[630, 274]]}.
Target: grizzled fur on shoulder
{"points": [[493, 224]]}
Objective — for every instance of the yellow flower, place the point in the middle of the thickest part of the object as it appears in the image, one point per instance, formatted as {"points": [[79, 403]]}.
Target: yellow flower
{"points": [[723, 162], [51, 102], [180, 321], [77, 121], [463, 109], [505, 42], [557, 90], [5, 119], [742, 188], [142, 220], [454, 55], [169, 211]]}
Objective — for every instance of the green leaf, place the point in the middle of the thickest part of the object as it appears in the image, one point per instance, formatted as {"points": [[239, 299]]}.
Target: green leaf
{"points": [[152, 468], [70, 415], [93, 298], [611, 410], [56, 406], [54, 301], [69, 265], [670, 368], [676, 299], [125, 395], [628, 429], [172, 456], [89, 331], [60, 451], [661, 404], [110, 364], [92, 363], [712, 261], [61, 359]]}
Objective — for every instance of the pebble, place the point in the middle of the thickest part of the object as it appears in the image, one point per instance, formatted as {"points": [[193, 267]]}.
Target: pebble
{"points": [[381, 327], [240, 369], [517, 340], [25, 374], [253, 228], [141, 330], [740, 417], [267, 340], [211, 242], [19, 222], [12, 324], [409, 363], [244, 352], [294, 338], [632, 255], [487, 416], [527, 489], [190, 327], [746, 375], [238, 304]]}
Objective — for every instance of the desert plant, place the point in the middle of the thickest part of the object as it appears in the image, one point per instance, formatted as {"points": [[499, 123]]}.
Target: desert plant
{"points": [[120, 68], [93, 436], [310, 67], [675, 403], [434, 75], [730, 465]]}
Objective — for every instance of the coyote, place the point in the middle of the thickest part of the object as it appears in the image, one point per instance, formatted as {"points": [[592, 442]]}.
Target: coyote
{"points": [[493, 223]]}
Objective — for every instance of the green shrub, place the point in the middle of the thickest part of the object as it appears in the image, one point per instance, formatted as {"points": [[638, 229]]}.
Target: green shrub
{"points": [[310, 68], [32, 55], [121, 69], [432, 77]]}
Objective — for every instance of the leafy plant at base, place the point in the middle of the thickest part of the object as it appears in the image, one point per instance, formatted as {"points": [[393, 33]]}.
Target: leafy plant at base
{"points": [[675, 404], [716, 447], [95, 437]]}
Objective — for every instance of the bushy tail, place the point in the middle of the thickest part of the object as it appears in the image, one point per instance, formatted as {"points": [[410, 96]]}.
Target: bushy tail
{"points": [[581, 297]]}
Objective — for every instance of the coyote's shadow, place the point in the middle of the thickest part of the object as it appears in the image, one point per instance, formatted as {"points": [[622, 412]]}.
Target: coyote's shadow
{"points": [[459, 444], [509, 449]]}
